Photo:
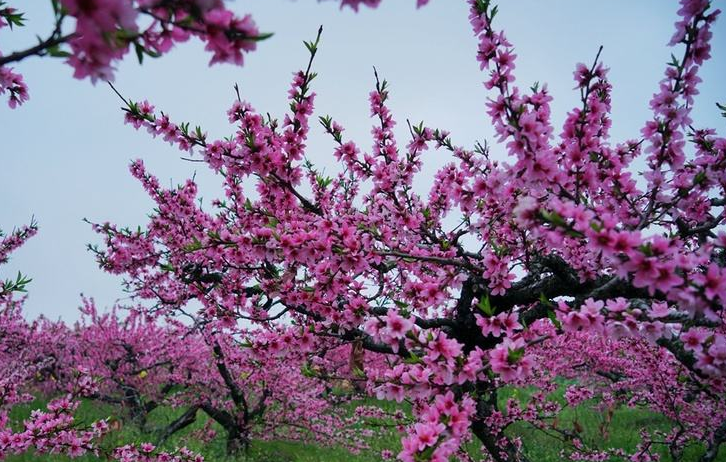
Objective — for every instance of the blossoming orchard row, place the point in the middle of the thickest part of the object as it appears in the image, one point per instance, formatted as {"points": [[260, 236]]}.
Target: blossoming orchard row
{"points": [[561, 265]]}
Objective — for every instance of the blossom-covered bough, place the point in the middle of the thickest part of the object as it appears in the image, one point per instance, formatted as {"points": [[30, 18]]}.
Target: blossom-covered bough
{"points": [[49, 430], [102, 32], [268, 388], [561, 239]]}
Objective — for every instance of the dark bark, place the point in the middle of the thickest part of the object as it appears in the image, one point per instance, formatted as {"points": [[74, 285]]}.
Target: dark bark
{"points": [[238, 398], [137, 410], [38, 50], [237, 441], [489, 437], [719, 436], [236, 423], [180, 423], [237, 432]]}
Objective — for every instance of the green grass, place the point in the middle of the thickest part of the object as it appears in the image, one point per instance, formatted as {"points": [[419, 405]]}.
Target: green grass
{"points": [[622, 432]]}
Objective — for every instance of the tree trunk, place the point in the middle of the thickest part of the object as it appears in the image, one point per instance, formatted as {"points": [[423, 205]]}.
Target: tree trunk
{"points": [[356, 365], [237, 441], [500, 447], [719, 435], [137, 412], [180, 423], [237, 434]]}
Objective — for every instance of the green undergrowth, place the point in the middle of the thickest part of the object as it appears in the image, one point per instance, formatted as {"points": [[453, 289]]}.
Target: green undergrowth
{"points": [[623, 430]]}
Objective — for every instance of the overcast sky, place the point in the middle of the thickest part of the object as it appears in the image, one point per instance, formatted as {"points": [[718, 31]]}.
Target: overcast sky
{"points": [[64, 155]]}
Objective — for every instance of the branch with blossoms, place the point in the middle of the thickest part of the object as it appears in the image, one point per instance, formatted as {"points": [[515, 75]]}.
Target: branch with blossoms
{"points": [[134, 358], [49, 431], [8, 244], [561, 241], [104, 31], [604, 374]]}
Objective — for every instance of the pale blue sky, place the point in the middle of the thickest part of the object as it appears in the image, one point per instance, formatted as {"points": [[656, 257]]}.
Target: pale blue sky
{"points": [[64, 155]]}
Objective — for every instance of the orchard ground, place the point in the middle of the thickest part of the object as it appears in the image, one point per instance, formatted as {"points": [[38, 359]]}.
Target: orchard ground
{"points": [[622, 431]]}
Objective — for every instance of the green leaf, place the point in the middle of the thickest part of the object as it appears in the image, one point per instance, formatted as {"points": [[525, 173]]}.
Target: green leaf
{"points": [[412, 359], [139, 52], [699, 178], [481, 6], [553, 317], [193, 246], [15, 19], [326, 121], [198, 132], [263, 36], [515, 355], [359, 373], [485, 305], [674, 61], [56, 52], [307, 371], [15, 286], [646, 249], [323, 182], [545, 301], [553, 217], [425, 455]]}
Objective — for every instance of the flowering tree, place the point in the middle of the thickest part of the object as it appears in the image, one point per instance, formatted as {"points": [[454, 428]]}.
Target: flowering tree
{"points": [[28, 354], [51, 430], [266, 387], [135, 359], [253, 388], [104, 31], [608, 374], [256, 387], [562, 236]]}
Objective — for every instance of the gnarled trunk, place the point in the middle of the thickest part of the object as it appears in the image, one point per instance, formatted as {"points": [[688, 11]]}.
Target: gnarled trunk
{"points": [[237, 441], [180, 423], [719, 436], [499, 446], [238, 437]]}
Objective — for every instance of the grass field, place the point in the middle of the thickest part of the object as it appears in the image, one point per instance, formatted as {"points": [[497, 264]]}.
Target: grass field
{"points": [[623, 432]]}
